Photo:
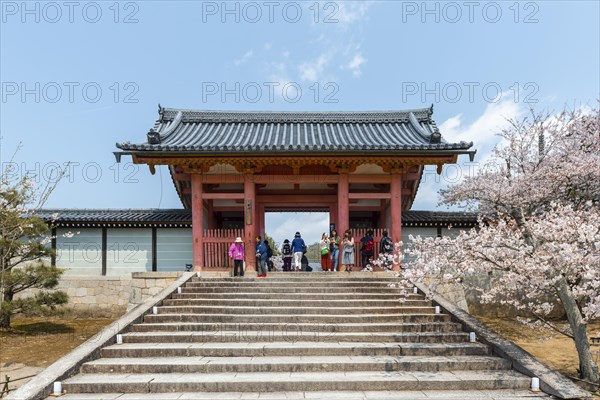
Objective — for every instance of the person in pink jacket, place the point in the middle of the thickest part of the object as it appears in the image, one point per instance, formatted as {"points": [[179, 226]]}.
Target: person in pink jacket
{"points": [[236, 251]]}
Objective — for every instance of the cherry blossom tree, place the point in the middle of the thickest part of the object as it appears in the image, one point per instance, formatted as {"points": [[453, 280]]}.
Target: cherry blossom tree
{"points": [[539, 229]]}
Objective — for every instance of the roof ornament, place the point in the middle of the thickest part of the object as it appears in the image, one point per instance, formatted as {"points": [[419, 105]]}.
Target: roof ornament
{"points": [[153, 137], [161, 111], [435, 138]]}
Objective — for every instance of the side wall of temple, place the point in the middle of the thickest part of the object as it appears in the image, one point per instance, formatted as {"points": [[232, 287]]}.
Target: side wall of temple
{"points": [[79, 250]]}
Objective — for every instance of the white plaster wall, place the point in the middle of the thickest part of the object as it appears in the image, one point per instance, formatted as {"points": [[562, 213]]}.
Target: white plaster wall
{"points": [[128, 250], [173, 248], [79, 251]]}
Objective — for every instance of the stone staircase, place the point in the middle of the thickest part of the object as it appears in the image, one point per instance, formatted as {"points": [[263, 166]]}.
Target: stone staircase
{"points": [[296, 335]]}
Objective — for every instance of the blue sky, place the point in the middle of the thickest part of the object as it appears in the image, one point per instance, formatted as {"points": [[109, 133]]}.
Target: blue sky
{"points": [[79, 77]]}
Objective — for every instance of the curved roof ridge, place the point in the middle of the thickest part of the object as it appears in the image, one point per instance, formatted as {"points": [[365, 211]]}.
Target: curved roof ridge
{"points": [[190, 115]]}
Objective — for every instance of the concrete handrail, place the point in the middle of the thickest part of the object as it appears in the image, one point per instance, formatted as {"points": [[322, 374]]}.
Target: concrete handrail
{"points": [[551, 381], [41, 385]]}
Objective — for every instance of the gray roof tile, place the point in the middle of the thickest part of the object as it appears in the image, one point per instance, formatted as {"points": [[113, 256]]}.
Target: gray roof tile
{"points": [[180, 130]]}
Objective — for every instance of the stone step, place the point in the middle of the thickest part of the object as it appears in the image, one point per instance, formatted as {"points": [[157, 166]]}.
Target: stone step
{"points": [[312, 328], [286, 381], [302, 277], [204, 301], [293, 296], [293, 335], [296, 348], [295, 309], [250, 283], [501, 394], [269, 364], [294, 318], [308, 290]]}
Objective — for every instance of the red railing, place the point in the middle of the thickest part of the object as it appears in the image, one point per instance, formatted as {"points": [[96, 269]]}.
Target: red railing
{"points": [[216, 247], [359, 234]]}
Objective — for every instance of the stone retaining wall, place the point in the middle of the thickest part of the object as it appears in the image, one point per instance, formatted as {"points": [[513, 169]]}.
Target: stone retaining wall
{"points": [[111, 296]]}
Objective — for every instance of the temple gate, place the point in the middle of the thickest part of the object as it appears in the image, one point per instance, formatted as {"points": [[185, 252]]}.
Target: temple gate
{"points": [[231, 167]]}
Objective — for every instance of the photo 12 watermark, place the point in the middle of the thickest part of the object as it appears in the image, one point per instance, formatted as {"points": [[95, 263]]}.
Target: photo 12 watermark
{"points": [[69, 92], [70, 12], [454, 173], [269, 92], [77, 251], [469, 91], [454, 12], [51, 172], [253, 12]]}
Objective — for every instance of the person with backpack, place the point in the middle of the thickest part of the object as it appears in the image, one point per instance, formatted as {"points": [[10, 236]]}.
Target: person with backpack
{"points": [[386, 248], [286, 252], [368, 249], [298, 248], [324, 247]]}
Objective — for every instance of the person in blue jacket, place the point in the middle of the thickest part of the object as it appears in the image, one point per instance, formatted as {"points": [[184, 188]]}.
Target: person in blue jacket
{"points": [[298, 247], [261, 258]]}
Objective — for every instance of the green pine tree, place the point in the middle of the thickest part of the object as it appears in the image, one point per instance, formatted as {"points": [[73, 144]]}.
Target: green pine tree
{"points": [[23, 247]]}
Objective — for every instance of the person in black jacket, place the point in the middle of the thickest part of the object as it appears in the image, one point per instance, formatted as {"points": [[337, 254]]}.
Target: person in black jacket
{"points": [[269, 255], [368, 248], [386, 248]]}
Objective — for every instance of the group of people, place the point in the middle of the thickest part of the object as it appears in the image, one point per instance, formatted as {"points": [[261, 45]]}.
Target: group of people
{"points": [[296, 250], [263, 257], [330, 247]]}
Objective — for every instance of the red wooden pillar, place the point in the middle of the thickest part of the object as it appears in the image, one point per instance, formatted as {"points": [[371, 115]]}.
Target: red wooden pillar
{"points": [[260, 215], [333, 216], [343, 214], [211, 214], [197, 222], [250, 221], [396, 208], [382, 214]]}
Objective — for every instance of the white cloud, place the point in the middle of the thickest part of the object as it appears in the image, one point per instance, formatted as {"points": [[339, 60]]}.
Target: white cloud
{"points": [[336, 41], [313, 71], [354, 65], [247, 55], [349, 12], [278, 73], [482, 132]]}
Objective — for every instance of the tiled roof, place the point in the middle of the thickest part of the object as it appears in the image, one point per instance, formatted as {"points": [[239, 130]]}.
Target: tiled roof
{"points": [[121, 217], [438, 218], [183, 217], [230, 132]]}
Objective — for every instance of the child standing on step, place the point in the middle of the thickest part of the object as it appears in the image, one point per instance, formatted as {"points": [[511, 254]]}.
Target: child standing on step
{"points": [[286, 251]]}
